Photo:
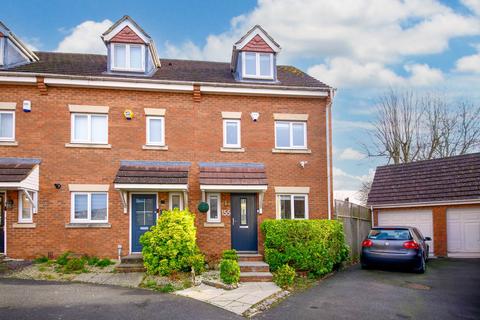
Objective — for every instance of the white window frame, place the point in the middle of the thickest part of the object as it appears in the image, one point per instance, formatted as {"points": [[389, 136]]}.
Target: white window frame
{"points": [[89, 208], [239, 134], [291, 123], [13, 131], [127, 57], [292, 204], [89, 129], [34, 195], [2, 48], [219, 218], [257, 74], [150, 143], [170, 196]]}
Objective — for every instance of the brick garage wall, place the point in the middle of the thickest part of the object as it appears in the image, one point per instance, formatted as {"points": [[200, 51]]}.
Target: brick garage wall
{"points": [[193, 133], [439, 216]]}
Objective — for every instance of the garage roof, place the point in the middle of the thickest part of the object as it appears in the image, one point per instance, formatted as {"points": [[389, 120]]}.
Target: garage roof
{"points": [[452, 179]]}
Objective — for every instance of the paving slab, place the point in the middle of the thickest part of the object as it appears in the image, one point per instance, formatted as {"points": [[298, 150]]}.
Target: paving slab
{"points": [[237, 300]]}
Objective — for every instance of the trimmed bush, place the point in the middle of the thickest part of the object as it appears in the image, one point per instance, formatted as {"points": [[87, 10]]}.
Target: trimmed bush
{"points": [[315, 246], [170, 245], [229, 271], [230, 255], [285, 276]]}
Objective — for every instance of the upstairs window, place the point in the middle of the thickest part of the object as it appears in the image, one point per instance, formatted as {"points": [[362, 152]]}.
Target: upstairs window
{"points": [[231, 134], [290, 135], [89, 128], [7, 125], [257, 65], [128, 57], [155, 131]]}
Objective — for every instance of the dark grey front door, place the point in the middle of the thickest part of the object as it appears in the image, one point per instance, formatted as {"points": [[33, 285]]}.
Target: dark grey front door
{"points": [[144, 215], [244, 222]]}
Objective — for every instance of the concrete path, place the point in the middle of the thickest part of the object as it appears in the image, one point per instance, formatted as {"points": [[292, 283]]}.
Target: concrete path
{"points": [[238, 300], [450, 289], [42, 300], [132, 279]]}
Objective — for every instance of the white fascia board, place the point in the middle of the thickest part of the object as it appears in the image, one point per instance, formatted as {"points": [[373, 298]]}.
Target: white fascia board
{"points": [[425, 204], [127, 186], [120, 27], [10, 185], [263, 92], [18, 79], [118, 84], [233, 187]]}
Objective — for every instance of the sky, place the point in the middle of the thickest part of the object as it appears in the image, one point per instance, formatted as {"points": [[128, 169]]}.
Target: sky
{"points": [[361, 47]]}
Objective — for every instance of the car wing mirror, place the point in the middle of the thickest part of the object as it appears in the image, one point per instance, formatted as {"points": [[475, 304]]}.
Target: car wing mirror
{"points": [[428, 239]]}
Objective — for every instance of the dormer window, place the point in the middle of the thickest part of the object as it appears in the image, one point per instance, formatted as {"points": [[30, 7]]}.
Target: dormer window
{"points": [[128, 57], [257, 65]]}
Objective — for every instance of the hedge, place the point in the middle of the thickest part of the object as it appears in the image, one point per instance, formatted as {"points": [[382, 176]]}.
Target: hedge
{"points": [[315, 246]]}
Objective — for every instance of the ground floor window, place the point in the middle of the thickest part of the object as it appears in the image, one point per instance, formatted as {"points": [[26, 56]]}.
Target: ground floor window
{"points": [[175, 201], [89, 207], [25, 206], [292, 206], [213, 214]]}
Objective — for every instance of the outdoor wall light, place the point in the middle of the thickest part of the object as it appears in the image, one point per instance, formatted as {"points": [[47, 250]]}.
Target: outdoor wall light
{"points": [[303, 163], [9, 204], [57, 186], [255, 116]]}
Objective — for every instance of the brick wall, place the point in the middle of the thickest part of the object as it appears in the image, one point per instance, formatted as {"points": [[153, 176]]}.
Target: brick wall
{"points": [[193, 133]]}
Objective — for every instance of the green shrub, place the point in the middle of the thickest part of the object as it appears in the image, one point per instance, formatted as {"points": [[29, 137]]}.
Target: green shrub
{"points": [[284, 277], [170, 245], [63, 258], [41, 259], [91, 261], [230, 255], [229, 271], [102, 263], [316, 246], [74, 264]]}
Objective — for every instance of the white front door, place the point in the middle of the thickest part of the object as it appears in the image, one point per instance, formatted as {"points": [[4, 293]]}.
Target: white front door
{"points": [[419, 218], [463, 232]]}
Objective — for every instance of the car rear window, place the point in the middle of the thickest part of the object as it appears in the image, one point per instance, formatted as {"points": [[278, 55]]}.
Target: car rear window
{"points": [[389, 234]]}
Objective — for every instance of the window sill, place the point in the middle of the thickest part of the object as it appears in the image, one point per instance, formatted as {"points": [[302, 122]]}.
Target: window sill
{"points": [[24, 225], [214, 225], [88, 145], [8, 143], [223, 149], [153, 147], [75, 225], [274, 150]]}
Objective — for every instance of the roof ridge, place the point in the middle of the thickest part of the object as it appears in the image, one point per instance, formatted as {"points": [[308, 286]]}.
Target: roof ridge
{"points": [[430, 160]]}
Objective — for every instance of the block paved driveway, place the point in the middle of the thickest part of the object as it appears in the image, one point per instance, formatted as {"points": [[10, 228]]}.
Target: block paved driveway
{"points": [[450, 289], [27, 299]]}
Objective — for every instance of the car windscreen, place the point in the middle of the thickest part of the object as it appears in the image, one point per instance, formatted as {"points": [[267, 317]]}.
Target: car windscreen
{"points": [[389, 234]]}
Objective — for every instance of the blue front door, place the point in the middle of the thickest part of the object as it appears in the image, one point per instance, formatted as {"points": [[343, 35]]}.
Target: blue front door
{"points": [[244, 222], [144, 215]]}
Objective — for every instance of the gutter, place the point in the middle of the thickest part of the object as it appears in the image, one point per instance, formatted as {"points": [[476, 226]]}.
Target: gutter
{"points": [[424, 204]]}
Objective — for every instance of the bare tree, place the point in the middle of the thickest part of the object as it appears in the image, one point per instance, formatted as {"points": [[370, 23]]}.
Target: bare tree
{"points": [[364, 190], [410, 126]]}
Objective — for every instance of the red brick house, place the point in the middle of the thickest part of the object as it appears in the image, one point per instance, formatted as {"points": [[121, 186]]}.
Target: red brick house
{"points": [[440, 197], [94, 147]]}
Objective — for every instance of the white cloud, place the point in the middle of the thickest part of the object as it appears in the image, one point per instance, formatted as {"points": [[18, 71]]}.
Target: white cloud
{"points": [[348, 125], [85, 38], [343, 181], [423, 75], [469, 63], [351, 154], [473, 5]]}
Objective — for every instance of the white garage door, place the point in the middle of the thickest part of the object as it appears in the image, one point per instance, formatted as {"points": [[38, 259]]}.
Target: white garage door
{"points": [[463, 232], [421, 219]]}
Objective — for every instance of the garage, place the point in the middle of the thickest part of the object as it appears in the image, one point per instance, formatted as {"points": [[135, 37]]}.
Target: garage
{"points": [[419, 218], [463, 232]]}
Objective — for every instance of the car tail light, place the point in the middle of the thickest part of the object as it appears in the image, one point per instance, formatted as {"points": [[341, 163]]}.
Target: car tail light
{"points": [[411, 245], [367, 243]]}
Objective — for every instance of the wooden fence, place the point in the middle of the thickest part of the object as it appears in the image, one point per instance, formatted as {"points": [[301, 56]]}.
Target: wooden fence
{"points": [[357, 221]]}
